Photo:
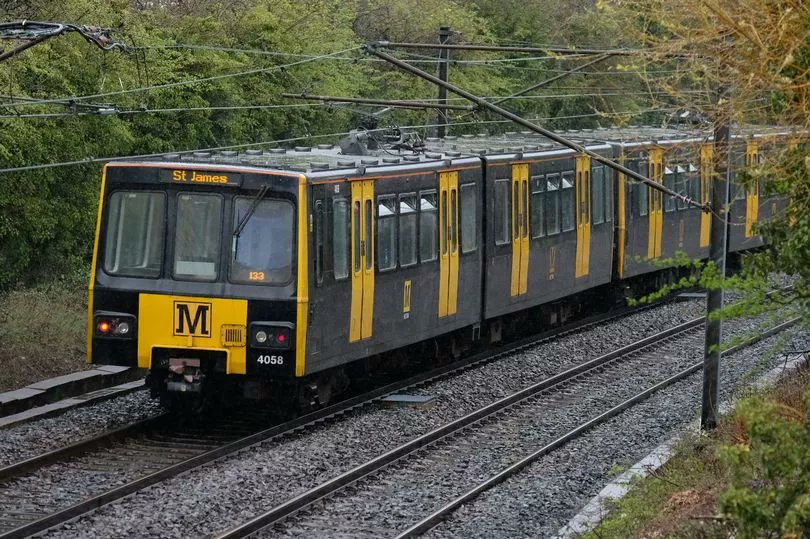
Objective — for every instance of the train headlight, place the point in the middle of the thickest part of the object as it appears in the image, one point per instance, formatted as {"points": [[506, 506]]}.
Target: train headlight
{"points": [[275, 335], [113, 325]]}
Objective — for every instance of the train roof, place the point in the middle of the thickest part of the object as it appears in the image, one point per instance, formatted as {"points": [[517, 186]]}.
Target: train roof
{"points": [[328, 160]]}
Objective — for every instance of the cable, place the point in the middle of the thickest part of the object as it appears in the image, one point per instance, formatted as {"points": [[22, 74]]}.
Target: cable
{"points": [[175, 84], [166, 110]]}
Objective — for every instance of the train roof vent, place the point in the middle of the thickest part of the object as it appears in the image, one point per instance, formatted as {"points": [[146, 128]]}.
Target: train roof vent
{"points": [[228, 153], [452, 154], [253, 152], [433, 139], [546, 145], [201, 156], [451, 137], [481, 135], [532, 148], [391, 160], [319, 166], [325, 146], [479, 151], [345, 162], [303, 148], [431, 155], [171, 157], [277, 150], [467, 136], [369, 160], [411, 158], [516, 149], [495, 150], [511, 133]]}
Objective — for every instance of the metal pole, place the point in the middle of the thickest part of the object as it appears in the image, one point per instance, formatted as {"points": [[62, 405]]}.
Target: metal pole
{"points": [[444, 67], [717, 253], [483, 103]]}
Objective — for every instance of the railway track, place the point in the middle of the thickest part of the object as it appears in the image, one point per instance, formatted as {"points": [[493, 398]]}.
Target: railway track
{"points": [[142, 454], [413, 487]]}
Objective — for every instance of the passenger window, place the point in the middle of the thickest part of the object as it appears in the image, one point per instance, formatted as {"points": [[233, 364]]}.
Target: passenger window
{"points": [[538, 184], [607, 181], [568, 201], [598, 179], [427, 227], [386, 233], [369, 235], [502, 212], [469, 207], [319, 235], [356, 243], [552, 204], [443, 224], [694, 183], [669, 183], [642, 190], [407, 229], [340, 238], [453, 221], [681, 186]]}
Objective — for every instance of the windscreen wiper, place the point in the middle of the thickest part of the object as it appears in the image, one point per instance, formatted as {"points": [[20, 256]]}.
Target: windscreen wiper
{"points": [[241, 226]]}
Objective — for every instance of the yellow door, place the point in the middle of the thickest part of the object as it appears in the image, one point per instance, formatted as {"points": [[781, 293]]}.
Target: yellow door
{"points": [[656, 206], [706, 169], [520, 229], [362, 312], [583, 215], [752, 192], [448, 243]]}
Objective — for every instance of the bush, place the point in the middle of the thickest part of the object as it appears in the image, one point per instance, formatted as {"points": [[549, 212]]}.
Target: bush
{"points": [[43, 331], [769, 495]]}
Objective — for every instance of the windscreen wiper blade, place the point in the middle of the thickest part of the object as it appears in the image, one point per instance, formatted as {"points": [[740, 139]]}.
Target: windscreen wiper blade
{"points": [[241, 226]]}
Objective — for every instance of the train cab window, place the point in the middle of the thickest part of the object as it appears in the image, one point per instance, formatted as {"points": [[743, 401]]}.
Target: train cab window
{"points": [[567, 201], [428, 210], [552, 204], [197, 236], [598, 190], [536, 223], [469, 205], [134, 246], [340, 237], [407, 229], [386, 233], [681, 186], [263, 252], [502, 211], [669, 183]]}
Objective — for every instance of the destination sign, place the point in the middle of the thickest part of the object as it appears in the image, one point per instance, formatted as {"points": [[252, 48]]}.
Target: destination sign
{"points": [[200, 177]]}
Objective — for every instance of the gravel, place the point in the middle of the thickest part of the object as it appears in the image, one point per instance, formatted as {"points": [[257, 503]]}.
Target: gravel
{"points": [[231, 491], [543, 497], [32, 438]]}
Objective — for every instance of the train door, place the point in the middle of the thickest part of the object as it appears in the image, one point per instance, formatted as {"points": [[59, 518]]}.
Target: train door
{"points": [[520, 229], [583, 215], [656, 203], [706, 169], [362, 234], [752, 192], [448, 243]]}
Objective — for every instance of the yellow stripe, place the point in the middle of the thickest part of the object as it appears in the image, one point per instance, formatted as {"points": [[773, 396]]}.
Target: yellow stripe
{"points": [[706, 168], [303, 279], [92, 285], [752, 192], [523, 285], [444, 250], [515, 197], [582, 212], [368, 260], [655, 205], [357, 273], [621, 220], [452, 285]]}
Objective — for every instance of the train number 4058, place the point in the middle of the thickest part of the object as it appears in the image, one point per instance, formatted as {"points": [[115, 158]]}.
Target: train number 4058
{"points": [[270, 360]]}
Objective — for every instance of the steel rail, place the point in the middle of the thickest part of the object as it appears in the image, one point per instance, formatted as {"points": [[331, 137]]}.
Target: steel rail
{"points": [[307, 498], [441, 514]]}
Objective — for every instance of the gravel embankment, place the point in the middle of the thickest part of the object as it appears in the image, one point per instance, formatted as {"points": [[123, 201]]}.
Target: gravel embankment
{"points": [[228, 492], [29, 439], [543, 497]]}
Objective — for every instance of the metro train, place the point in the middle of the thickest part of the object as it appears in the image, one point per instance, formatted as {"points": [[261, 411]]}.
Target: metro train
{"points": [[281, 275]]}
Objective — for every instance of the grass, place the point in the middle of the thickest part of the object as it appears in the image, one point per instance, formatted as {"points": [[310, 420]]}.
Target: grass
{"points": [[682, 498], [43, 331]]}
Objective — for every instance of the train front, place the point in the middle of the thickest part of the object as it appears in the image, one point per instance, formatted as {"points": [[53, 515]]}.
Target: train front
{"points": [[196, 277]]}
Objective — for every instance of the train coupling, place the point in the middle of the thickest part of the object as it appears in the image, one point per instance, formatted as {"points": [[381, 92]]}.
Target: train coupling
{"points": [[185, 376]]}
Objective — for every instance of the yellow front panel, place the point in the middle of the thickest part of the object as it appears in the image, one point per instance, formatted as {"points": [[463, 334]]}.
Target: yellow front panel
{"points": [[444, 251], [583, 215], [368, 258], [356, 262], [452, 277], [523, 284], [706, 168], [189, 322]]}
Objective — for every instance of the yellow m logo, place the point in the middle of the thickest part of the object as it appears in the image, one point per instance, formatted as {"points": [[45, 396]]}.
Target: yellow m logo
{"points": [[192, 319]]}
